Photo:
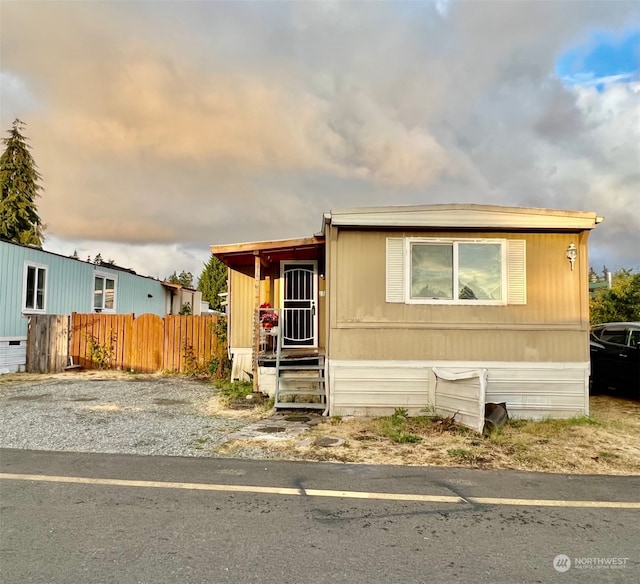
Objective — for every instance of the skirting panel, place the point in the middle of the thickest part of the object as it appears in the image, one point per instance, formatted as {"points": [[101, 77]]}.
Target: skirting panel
{"points": [[375, 388], [240, 364], [13, 355], [530, 390]]}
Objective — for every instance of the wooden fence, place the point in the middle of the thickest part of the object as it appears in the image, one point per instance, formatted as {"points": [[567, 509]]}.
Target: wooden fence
{"points": [[47, 343], [147, 343]]}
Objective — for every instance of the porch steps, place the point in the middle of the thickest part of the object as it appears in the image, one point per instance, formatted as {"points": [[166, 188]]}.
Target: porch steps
{"points": [[301, 367], [300, 405], [313, 396]]}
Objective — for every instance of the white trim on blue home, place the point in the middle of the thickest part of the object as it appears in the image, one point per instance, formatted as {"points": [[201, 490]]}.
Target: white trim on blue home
{"points": [[104, 305], [31, 285]]}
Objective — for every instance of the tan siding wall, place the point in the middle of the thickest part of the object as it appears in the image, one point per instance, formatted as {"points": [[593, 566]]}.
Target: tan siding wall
{"points": [[551, 326], [459, 344], [241, 309]]}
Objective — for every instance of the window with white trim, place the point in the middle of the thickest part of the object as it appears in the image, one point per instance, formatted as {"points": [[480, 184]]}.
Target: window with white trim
{"points": [[456, 271], [104, 292], [35, 288]]}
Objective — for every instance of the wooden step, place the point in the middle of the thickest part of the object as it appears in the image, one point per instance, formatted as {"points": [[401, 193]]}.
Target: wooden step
{"points": [[302, 392], [301, 378], [306, 406], [301, 367]]}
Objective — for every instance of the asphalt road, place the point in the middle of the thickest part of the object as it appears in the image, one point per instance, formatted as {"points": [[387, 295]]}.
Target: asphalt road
{"points": [[93, 518]]}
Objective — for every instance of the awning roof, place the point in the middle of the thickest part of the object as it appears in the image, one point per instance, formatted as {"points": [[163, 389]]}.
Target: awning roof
{"points": [[167, 284], [463, 216], [243, 254]]}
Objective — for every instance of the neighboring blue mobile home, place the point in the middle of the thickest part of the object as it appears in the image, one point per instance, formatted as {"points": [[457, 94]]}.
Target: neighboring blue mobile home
{"points": [[34, 281]]}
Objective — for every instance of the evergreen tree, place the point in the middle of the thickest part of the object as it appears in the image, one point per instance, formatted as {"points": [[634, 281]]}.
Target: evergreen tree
{"points": [[19, 188], [185, 279], [213, 281]]}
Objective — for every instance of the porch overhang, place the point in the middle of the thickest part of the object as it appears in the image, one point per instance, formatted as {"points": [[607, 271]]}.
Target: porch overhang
{"points": [[242, 255], [254, 257]]}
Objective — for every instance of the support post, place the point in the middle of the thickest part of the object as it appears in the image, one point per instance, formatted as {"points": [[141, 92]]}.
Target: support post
{"points": [[256, 319], [267, 288]]}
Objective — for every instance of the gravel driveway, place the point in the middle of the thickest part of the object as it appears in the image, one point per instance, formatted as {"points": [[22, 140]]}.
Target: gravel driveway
{"points": [[136, 415]]}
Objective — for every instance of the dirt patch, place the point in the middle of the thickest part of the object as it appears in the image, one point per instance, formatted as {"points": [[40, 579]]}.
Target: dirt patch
{"points": [[162, 401], [271, 429], [30, 397], [15, 379], [604, 443], [257, 400], [297, 418], [239, 408]]}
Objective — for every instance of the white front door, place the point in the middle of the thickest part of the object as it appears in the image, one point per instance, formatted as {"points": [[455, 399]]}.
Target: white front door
{"points": [[298, 296]]}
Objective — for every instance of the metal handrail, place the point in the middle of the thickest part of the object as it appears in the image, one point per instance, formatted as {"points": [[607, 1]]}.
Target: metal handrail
{"points": [[278, 354], [277, 318]]}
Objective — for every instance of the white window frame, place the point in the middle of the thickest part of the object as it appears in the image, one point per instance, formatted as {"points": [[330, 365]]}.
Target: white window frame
{"points": [[455, 241], [105, 276], [37, 266]]}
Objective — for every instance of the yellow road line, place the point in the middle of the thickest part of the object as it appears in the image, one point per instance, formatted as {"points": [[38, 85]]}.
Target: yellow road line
{"points": [[554, 503], [320, 492], [384, 496], [151, 484], [232, 488]]}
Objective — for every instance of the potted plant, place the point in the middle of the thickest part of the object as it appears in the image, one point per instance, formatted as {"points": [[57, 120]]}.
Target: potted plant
{"points": [[268, 319]]}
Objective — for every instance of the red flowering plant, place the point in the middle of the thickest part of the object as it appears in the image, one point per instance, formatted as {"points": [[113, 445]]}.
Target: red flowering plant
{"points": [[267, 319]]}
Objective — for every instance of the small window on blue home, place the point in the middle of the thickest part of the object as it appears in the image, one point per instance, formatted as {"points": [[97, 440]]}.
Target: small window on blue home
{"points": [[104, 292], [35, 288]]}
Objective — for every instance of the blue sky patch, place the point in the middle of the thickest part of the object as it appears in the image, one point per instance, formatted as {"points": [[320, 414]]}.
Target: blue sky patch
{"points": [[605, 58]]}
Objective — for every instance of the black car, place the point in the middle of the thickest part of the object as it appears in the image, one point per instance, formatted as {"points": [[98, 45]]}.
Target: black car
{"points": [[615, 358]]}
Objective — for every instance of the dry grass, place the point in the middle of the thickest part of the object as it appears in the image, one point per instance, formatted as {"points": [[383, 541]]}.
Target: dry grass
{"points": [[237, 400], [217, 407], [604, 443]]}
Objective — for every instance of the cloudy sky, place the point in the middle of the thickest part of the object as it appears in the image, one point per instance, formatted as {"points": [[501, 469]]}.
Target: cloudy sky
{"points": [[163, 127]]}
